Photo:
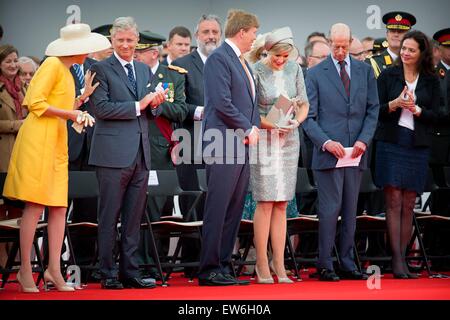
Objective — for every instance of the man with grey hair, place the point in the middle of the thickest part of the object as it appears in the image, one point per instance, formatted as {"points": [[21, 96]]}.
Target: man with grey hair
{"points": [[120, 151], [208, 36], [27, 68], [343, 114]]}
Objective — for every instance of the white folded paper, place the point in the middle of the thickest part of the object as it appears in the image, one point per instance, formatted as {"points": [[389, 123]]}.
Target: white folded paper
{"points": [[347, 160]]}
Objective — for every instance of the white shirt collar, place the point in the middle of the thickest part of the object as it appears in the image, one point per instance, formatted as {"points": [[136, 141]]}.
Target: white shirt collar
{"points": [[445, 65], [202, 56], [155, 67], [392, 54], [234, 47], [336, 62], [123, 62]]}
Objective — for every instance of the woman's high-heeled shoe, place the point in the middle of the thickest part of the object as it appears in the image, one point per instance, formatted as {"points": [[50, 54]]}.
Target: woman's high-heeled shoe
{"points": [[280, 279], [48, 279], [23, 288], [261, 280]]}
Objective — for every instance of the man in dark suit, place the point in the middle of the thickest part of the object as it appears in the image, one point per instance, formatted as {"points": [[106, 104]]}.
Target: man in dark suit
{"points": [[230, 104], [207, 33], [344, 107], [121, 153], [179, 44]]}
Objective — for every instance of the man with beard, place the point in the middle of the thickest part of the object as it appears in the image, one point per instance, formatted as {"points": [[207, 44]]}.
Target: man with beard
{"points": [[208, 33]]}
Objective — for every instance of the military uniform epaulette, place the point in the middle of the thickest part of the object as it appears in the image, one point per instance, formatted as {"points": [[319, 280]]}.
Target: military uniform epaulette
{"points": [[177, 68], [380, 61], [383, 58]]}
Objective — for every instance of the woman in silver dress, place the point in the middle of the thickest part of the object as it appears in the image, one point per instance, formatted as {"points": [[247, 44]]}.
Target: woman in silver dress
{"points": [[274, 170]]}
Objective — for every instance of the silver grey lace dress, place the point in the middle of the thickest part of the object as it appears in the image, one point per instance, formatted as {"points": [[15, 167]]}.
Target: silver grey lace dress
{"points": [[273, 174]]}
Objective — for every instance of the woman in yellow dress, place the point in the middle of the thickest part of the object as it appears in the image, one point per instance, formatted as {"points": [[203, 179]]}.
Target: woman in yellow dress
{"points": [[38, 169]]}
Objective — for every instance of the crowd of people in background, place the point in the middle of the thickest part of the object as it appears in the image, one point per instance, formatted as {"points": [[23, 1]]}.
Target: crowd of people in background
{"points": [[388, 99]]}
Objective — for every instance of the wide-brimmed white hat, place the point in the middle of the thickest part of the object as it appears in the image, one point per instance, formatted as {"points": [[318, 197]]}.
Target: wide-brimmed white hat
{"points": [[77, 39]]}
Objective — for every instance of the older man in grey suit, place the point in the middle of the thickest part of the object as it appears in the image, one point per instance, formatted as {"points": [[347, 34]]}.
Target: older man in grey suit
{"points": [[343, 113], [121, 153]]}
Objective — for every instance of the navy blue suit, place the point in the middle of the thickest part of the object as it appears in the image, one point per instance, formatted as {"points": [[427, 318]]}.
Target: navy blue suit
{"points": [[120, 151], [229, 104], [335, 116]]}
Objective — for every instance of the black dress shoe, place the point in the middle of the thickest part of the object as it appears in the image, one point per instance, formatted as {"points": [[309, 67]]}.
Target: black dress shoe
{"points": [[353, 275], [238, 281], [412, 276], [328, 275], [216, 279], [139, 283], [111, 283]]}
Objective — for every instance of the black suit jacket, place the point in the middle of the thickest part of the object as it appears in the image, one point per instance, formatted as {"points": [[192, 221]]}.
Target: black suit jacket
{"points": [[194, 91], [390, 84], [75, 139]]}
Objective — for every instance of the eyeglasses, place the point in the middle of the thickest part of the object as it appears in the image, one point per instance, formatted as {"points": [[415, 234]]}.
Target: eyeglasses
{"points": [[358, 54], [319, 57]]}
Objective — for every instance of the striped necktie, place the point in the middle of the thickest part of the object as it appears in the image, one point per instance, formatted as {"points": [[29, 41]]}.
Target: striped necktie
{"points": [[79, 73], [250, 79]]}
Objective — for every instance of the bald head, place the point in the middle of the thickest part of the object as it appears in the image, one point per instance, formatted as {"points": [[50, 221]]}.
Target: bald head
{"points": [[340, 31], [340, 39]]}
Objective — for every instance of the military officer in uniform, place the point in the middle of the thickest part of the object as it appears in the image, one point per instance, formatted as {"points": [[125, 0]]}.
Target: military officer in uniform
{"points": [[397, 24], [440, 150], [174, 108]]}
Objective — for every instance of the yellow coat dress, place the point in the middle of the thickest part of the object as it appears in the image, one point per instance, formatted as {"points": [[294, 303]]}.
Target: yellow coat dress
{"points": [[38, 170]]}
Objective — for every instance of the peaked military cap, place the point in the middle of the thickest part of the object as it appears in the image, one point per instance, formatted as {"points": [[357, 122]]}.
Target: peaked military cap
{"points": [[104, 30], [443, 37], [148, 39], [399, 20], [380, 44]]}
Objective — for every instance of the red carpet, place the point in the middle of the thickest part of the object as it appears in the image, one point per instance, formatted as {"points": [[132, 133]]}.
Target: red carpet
{"points": [[423, 288]]}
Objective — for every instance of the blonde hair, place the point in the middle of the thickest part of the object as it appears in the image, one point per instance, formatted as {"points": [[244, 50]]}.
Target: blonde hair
{"points": [[237, 20], [257, 51], [281, 47]]}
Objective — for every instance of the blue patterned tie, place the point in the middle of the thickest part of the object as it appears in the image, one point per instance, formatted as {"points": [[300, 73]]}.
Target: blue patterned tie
{"points": [[131, 77], [79, 73]]}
